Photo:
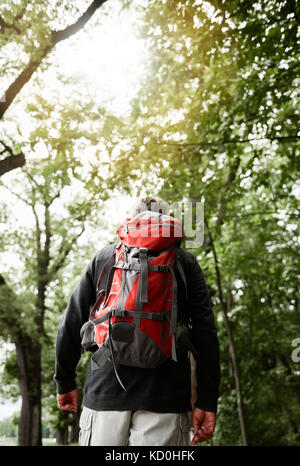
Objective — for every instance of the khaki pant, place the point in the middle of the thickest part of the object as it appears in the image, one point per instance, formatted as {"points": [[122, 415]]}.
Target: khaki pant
{"points": [[134, 428]]}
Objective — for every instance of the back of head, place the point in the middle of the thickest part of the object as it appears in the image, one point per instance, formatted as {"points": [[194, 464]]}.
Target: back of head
{"points": [[150, 203], [150, 226]]}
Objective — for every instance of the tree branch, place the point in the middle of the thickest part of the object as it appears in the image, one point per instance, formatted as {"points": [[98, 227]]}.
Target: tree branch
{"points": [[31, 178], [12, 161], [232, 141], [4, 25], [64, 252], [17, 195], [266, 212], [41, 52], [231, 177], [58, 36]]}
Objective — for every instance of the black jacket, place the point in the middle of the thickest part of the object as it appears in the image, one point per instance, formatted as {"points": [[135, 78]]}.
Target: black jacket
{"points": [[163, 389]]}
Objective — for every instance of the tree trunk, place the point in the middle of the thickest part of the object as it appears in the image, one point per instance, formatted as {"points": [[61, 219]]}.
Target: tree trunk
{"points": [[226, 306], [62, 435], [74, 433], [237, 376], [62, 428], [29, 377]]}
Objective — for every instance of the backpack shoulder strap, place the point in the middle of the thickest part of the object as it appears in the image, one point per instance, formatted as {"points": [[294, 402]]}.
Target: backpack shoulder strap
{"points": [[107, 266], [100, 292], [179, 267]]}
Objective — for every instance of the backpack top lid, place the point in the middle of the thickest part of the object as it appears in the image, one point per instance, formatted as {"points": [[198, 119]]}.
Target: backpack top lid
{"points": [[150, 230]]}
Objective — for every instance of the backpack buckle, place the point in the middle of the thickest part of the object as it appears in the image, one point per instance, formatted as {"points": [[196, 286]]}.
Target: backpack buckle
{"points": [[143, 250], [100, 292]]}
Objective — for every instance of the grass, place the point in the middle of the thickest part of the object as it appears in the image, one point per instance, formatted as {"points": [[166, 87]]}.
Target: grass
{"points": [[8, 441]]}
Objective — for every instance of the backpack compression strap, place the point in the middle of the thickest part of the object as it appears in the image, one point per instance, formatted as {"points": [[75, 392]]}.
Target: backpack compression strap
{"points": [[143, 288]]}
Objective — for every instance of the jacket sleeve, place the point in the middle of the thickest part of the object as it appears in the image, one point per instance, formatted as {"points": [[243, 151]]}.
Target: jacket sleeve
{"points": [[204, 338], [68, 341]]}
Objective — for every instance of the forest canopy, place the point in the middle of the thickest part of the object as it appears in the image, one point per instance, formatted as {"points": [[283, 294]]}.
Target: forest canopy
{"points": [[194, 101]]}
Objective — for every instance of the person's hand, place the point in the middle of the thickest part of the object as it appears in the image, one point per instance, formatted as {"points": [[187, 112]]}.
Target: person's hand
{"points": [[68, 401], [204, 423]]}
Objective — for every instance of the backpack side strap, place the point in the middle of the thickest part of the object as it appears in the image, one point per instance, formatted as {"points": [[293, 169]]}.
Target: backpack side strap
{"points": [[179, 267]]}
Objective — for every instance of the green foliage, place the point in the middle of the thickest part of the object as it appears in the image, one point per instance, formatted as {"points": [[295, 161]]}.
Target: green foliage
{"points": [[57, 205], [26, 26], [217, 120], [8, 428]]}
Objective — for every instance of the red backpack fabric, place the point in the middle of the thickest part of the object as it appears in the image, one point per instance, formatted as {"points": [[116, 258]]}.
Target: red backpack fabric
{"points": [[134, 318]]}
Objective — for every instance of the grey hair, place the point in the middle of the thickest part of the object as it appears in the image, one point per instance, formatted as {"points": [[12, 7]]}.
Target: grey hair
{"points": [[154, 204]]}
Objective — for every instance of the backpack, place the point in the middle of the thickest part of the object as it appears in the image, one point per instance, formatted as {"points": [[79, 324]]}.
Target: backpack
{"points": [[133, 321]]}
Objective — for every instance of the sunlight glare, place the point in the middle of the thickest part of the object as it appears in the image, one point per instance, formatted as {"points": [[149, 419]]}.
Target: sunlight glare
{"points": [[109, 58]]}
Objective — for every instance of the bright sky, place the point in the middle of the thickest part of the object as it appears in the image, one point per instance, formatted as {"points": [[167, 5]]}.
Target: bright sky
{"points": [[109, 57], [7, 409]]}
